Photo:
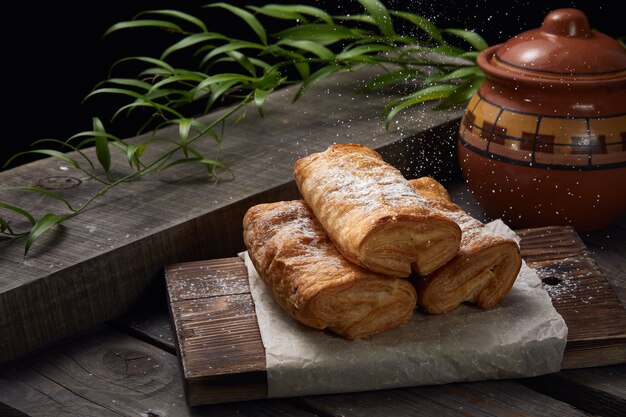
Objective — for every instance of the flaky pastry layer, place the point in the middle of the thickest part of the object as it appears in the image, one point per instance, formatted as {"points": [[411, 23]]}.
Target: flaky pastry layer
{"points": [[484, 270], [372, 214], [313, 282]]}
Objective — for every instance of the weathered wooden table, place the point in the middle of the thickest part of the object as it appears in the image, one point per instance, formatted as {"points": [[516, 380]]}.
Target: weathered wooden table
{"points": [[126, 365]]}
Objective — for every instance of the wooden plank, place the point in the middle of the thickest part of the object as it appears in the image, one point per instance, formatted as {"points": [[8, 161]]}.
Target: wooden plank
{"points": [[217, 333], [99, 263], [111, 374], [609, 249], [501, 398], [581, 293], [150, 324], [599, 391]]}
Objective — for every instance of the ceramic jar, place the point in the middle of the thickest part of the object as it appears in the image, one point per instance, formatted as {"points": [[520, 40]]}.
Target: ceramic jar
{"points": [[543, 141]]}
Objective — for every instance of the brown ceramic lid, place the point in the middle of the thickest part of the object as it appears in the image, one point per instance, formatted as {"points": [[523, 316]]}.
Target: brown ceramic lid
{"points": [[564, 46]]}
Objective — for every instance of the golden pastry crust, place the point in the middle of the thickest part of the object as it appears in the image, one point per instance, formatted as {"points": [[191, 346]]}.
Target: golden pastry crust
{"points": [[372, 214], [313, 282], [484, 270]]}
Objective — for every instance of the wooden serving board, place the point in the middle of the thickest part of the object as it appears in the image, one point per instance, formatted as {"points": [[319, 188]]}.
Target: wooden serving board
{"points": [[223, 359]]}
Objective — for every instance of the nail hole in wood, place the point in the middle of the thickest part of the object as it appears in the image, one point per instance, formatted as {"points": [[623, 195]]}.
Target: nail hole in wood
{"points": [[551, 281]]}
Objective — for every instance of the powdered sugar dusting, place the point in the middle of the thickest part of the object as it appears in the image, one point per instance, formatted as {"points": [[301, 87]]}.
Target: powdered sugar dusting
{"points": [[351, 188]]}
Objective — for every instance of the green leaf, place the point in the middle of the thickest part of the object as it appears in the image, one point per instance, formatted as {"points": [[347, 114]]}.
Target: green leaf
{"points": [[422, 23], [427, 94], [622, 41], [309, 46], [462, 93], [192, 77], [18, 210], [142, 100], [449, 50], [66, 144], [270, 80], [5, 227], [470, 55], [153, 73], [279, 51], [91, 134], [396, 40], [129, 82], [247, 17], [244, 61], [102, 145], [259, 99], [317, 76], [198, 160], [259, 63], [43, 191], [163, 24], [42, 225], [232, 45], [470, 37], [191, 40], [309, 11], [317, 32], [149, 60], [362, 50], [178, 14], [129, 107], [247, 62], [277, 11], [289, 11], [391, 78], [184, 126], [363, 18], [212, 163], [380, 14], [217, 90], [220, 78], [459, 73], [303, 68], [134, 153], [49, 152]]}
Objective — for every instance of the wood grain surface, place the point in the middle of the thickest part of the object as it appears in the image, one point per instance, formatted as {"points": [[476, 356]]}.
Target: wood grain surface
{"points": [[502, 398], [98, 264], [581, 293], [109, 373], [599, 391], [217, 333]]}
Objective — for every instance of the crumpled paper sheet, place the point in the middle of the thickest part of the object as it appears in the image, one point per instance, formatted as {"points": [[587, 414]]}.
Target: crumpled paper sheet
{"points": [[524, 336]]}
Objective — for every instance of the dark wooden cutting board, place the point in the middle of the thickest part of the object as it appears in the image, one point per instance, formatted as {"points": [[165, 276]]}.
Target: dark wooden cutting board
{"points": [[223, 359]]}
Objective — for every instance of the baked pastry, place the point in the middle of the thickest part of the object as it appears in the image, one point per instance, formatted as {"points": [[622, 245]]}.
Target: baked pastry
{"points": [[484, 270], [313, 282], [372, 214]]}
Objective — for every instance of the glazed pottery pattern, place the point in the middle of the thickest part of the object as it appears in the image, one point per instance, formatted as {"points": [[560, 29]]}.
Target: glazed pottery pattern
{"points": [[543, 142]]}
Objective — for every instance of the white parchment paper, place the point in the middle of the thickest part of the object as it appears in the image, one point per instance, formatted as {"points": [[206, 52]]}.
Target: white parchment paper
{"points": [[523, 336]]}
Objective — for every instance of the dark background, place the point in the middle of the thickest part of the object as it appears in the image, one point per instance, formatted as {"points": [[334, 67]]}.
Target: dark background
{"points": [[53, 53]]}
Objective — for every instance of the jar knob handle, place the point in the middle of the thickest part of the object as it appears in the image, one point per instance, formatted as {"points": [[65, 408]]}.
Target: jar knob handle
{"points": [[571, 23]]}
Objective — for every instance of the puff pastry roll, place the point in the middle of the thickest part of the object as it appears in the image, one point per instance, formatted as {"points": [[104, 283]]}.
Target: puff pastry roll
{"points": [[313, 282], [483, 271], [372, 214]]}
